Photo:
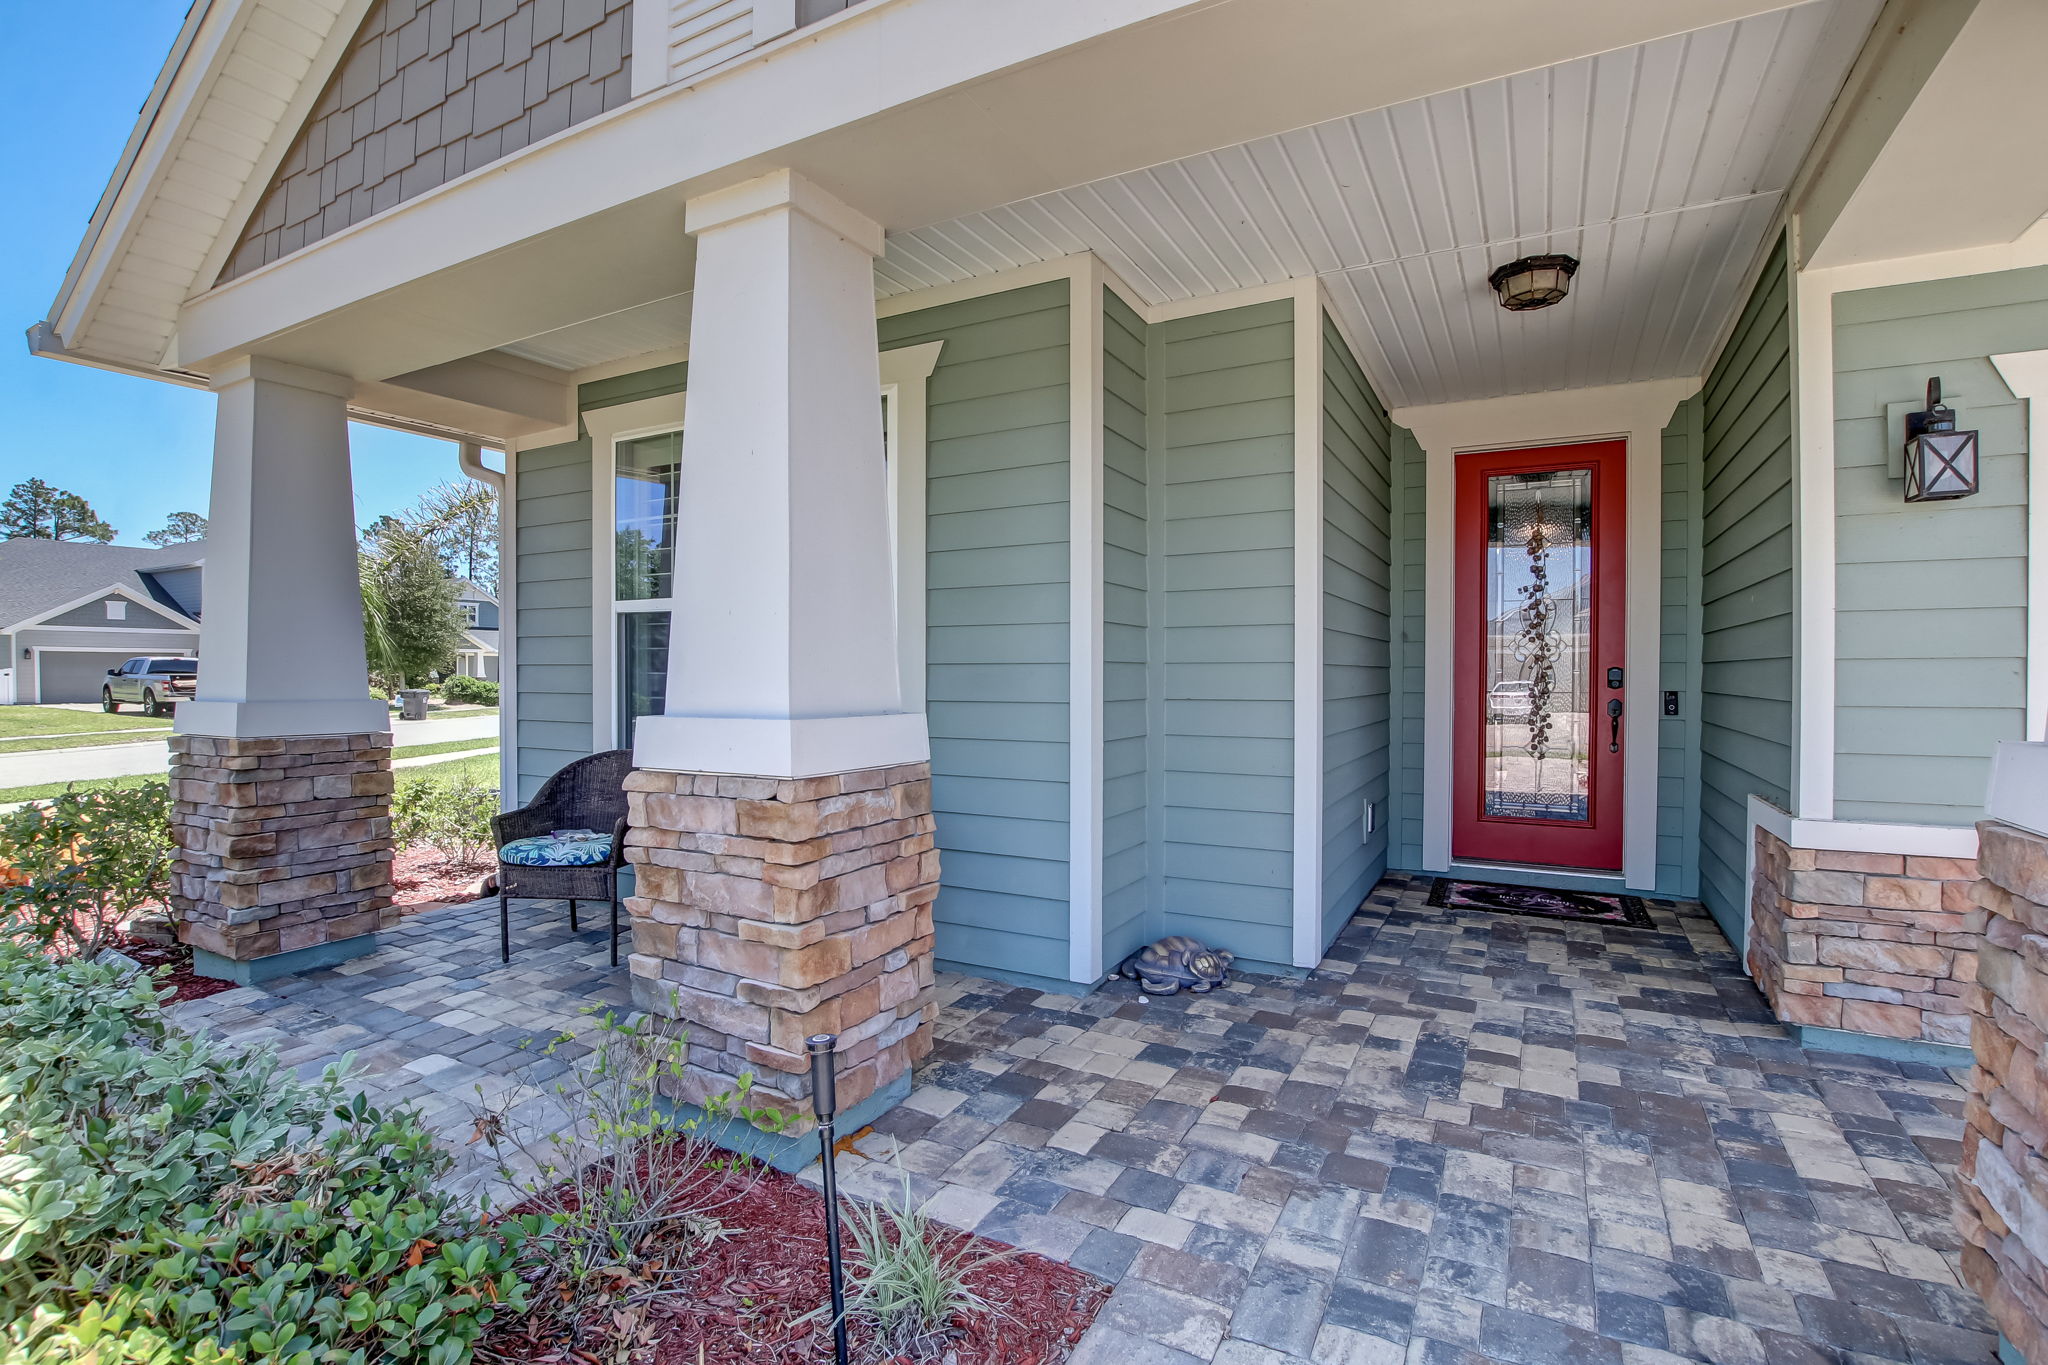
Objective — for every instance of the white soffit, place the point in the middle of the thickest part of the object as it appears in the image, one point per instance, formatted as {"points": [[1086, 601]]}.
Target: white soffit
{"points": [[1661, 167], [659, 325]]}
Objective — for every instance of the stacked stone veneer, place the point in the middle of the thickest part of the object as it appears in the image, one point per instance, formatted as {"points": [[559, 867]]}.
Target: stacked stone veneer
{"points": [[283, 844], [770, 910], [2002, 1196], [1875, 943]]}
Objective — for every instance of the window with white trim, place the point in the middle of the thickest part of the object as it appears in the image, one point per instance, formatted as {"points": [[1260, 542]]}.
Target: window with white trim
{"points": [[646, 474]]}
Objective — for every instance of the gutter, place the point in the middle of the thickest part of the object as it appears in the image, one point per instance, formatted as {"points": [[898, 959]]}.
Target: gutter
{"points": [[470, 458], [44, 342]]}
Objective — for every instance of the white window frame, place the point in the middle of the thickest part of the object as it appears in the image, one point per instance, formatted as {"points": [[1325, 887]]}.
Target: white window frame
{"points": [[470, 612], [904, 374]]}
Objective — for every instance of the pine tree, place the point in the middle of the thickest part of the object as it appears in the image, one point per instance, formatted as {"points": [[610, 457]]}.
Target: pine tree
{"points": [[36, 511], [180, 528]]}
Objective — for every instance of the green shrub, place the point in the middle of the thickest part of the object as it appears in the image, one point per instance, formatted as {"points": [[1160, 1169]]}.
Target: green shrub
{"points": [[164, 1201], [452, 817], [467, 691], [83, 861]]}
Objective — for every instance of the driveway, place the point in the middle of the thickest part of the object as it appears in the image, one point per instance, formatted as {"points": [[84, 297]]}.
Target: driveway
{"points": [[154, 756]]}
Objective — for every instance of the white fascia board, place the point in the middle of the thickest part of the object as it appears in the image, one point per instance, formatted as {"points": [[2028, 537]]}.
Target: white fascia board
{"points": [[95, 595], [186, 75]]}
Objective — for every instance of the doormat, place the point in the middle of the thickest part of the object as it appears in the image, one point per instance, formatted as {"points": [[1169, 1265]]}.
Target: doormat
{"points": [[1449, 893]]}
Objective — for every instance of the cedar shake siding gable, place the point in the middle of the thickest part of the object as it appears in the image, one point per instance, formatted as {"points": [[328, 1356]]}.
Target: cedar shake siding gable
{"points": [[430, 90]]}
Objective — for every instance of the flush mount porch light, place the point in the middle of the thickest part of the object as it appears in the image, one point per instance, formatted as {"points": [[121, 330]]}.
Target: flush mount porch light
{"points": [[1941, 462], [1533, 282]]}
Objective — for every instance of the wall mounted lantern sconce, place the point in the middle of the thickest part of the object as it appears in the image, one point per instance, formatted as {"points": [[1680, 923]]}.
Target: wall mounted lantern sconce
{"points": [[1533, 282], [1941, 462]]}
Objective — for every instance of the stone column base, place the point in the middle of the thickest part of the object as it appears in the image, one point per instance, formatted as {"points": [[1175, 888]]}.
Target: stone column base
{"points": [[284, 850], [1872, 944], [773, 909], [2002, 1189]]}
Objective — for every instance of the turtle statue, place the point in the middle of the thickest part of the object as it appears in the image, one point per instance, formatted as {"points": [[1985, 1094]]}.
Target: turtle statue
{"points": [[1176, 963]]}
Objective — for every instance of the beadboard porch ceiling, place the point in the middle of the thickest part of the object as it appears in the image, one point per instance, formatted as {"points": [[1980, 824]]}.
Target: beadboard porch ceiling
{"points": [[1661, 166]]}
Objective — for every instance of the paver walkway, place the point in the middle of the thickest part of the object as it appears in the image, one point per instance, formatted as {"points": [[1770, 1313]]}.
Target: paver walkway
{"points": [[1465, 1137]]}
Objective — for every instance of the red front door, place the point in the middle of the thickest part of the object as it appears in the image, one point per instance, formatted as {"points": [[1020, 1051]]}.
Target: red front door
{"points": [[1540, 636]]}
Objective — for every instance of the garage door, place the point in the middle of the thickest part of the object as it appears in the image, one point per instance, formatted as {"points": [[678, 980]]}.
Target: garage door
{"points": [[75, 677]]}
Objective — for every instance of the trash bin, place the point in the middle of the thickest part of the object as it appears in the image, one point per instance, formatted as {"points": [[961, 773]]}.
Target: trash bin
{"points": [[412, 703]]}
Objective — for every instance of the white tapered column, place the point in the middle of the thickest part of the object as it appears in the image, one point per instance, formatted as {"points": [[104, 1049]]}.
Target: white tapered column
{"points": [[281, 642], [782, 655]]}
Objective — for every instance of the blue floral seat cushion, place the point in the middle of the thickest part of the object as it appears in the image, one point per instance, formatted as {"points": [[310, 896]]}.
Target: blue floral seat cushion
{"points": [[562, 848]]}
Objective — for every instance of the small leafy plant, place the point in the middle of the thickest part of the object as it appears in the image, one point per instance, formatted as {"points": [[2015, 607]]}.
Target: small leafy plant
{"points": [[616, 1200], [453, 818], [164, 1201], [80, 863], [908, 1278]]}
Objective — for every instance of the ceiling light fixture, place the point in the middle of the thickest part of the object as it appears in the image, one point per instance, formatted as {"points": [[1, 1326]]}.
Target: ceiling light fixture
{"points": [[1533, 282]]}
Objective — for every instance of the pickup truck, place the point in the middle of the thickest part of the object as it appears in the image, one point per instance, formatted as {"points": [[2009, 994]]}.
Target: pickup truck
{"points": [[155, 684]]}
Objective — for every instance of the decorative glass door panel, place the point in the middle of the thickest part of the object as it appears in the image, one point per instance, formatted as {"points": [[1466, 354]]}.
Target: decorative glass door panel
{"points": [[1539, 603]]}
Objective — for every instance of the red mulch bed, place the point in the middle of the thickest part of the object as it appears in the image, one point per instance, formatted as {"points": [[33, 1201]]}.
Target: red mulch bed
{"points": [[747, 1297], [185, 984], [424, 879]]}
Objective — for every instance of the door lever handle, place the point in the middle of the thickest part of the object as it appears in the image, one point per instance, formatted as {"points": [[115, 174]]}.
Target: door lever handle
{"points": [[1614, 726]]}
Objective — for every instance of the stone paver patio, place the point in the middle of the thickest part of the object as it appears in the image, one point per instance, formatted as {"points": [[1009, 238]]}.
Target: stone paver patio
{"points": [[1465, 1137]]}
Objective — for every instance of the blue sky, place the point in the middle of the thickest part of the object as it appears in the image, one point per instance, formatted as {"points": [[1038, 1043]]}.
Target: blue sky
{"points": [[76, 73]]}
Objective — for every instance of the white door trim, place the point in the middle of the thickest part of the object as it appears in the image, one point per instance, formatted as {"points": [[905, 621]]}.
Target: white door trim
{"points": [[1634, 413]]}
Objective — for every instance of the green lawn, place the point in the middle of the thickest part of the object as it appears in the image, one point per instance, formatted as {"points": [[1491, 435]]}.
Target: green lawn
{"points": [[17, 721], [36, 744], [482, 770], [457, 712], [446, 746], [44, 790]]}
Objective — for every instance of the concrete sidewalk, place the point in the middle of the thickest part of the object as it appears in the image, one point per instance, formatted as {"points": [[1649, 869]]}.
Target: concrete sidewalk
{"points": [[154, 756]]}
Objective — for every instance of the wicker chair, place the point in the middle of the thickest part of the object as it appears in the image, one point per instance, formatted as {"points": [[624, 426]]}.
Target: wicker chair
{"points": [[587, 794]]}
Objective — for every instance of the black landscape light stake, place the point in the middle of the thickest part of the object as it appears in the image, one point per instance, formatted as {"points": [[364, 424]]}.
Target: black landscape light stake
{"points": [[825, 1104]]}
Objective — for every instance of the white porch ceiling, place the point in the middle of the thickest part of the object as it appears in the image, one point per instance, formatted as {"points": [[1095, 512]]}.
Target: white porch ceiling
{"points": [[1661, 167]]}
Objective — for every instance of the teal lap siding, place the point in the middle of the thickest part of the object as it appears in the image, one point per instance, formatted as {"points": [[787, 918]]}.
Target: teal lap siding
{"points": [[997, 612], [1357, 611], [1931, 606], [1222, 652], [1678, 755], [1127, 780], [552, 616], [1746, 591]]}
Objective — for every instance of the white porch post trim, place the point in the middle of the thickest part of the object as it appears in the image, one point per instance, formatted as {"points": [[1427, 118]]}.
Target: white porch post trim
{"points": [[1308, 623], [906, 378], [782, 656], [1084, 625], [281, 648], [1635, 413], [2026, 374], [1813, 556]]}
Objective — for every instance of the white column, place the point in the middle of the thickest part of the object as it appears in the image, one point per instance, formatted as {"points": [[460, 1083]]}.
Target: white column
{"points": [[281, 639], [782, 653]]}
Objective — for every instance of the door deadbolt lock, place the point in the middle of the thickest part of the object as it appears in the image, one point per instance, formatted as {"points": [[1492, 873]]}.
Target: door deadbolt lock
{"points": [[1613, 678]]}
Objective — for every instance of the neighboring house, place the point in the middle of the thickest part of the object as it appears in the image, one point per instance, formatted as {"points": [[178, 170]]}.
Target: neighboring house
{"points": [[478, 656], [71, 610], [1201, 428]]}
